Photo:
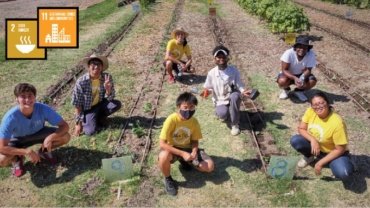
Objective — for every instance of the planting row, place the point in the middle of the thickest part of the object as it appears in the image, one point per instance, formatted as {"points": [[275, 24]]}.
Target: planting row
{"points": [[282, 16]]}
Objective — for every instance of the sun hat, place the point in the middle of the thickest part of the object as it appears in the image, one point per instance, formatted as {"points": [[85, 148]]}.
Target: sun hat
{"points": [[179, 29], [303, 40], [221, 49], [103, 59]]}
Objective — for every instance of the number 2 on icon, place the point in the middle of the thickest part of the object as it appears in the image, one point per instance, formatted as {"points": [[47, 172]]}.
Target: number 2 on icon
{"points": [[13, 26]]}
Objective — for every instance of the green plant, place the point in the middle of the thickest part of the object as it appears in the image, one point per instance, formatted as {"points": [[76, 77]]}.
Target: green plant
{"points": [[147, 107], [144, 4], [138, 130], [363, 4], [281, 15], [2, 50]]}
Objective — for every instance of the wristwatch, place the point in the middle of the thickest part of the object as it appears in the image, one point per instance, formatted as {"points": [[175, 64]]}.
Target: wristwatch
{"points": [[77, 119]]}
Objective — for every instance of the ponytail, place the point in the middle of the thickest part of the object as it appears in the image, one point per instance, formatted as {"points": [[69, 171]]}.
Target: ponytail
{"points": [[185, 42]]}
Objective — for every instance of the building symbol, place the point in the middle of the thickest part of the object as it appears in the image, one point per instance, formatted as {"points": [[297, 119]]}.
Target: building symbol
{"points": [[57, 36]]}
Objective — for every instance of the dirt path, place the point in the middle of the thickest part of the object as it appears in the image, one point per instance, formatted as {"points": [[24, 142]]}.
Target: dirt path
{"points": [[237, 180], [362, 15], [256, 52], [260, 53], [341, 56]]}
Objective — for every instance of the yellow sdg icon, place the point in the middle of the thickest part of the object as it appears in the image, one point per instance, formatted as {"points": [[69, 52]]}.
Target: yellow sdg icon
{"points": [[57, 27], [290, 38], [21, 40]]}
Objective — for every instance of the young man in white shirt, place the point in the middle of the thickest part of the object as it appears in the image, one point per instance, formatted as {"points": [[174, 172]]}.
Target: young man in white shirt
{"points": [[226, 86], [296, 66]]}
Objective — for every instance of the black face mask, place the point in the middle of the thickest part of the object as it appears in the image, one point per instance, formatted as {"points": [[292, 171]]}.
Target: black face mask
{"points": [[187, 114]]}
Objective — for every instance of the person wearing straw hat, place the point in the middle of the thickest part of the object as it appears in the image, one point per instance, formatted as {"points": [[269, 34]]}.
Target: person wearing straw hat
{"points": [[176, 48], [226, 86], [93, 96], [296, 66]]}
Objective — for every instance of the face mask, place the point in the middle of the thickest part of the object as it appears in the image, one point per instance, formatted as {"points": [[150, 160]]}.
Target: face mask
{"points": [[187, 114]]}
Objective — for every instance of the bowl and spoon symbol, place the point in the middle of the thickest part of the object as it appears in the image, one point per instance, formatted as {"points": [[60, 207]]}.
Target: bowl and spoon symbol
{"points": [[26, 46]]}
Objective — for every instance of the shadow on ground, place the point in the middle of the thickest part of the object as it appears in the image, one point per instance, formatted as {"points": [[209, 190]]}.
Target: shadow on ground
{"points": [[72, 162], [117, 122], [357, 183], [257, 123], [309, 93], [196, 179], [192, 79]]}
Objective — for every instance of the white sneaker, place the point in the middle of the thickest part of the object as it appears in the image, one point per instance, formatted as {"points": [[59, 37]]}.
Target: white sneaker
{"points": [[301, 96], [235, 130], [305, 161], [284, 94]]}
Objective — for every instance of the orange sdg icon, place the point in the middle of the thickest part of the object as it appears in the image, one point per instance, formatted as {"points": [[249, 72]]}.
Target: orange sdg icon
{"points": [[57, 27], [21, 40]]}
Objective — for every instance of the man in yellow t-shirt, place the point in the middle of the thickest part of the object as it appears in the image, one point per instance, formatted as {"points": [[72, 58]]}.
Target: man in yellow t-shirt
{"points": [[179, 141], [176, 48], [93, 96], [322, 134]]}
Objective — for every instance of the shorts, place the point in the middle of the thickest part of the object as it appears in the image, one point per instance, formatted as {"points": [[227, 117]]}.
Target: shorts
{"points": [[177, 67], [36, 138], [201, 156], [310, 77]]}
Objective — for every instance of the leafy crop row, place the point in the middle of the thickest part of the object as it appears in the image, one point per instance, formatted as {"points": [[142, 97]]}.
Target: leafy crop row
{"points": [[357, 3], [145, 3], [282, 16]]}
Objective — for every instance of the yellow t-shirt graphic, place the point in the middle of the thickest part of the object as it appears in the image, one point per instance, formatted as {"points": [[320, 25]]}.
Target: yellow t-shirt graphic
{"points": [[95, 87], [328, 132], [179, 133], [177, 51]]}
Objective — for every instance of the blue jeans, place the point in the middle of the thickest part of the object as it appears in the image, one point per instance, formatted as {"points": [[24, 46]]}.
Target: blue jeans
{"points": [[94, 117], [341, 167]]}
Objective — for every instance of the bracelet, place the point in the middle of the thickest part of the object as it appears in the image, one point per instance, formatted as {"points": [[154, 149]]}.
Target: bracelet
{"points": [[77, 119]]}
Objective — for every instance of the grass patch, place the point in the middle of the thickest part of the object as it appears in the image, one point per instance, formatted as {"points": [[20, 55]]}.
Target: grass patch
{"points": [[194, 6], [71, 195], [2, 50], [59, 61], [272, 116], [282, 193], [4, 173], [97, 12]]}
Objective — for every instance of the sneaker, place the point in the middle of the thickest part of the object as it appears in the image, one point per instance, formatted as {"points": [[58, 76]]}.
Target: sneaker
{"points": [[235, 130], [47, 156], [171, 80], [178, 77], [305, 161], [18, 169], [170, 186], [284, 94], [301, 96]]}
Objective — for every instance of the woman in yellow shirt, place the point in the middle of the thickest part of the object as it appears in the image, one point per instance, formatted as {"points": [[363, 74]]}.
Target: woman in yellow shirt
{"points": [[322, 135], [176, 48]]}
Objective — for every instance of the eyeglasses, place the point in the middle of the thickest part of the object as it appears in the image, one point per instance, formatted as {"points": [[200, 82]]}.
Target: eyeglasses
{"points": [[318, 105]]}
